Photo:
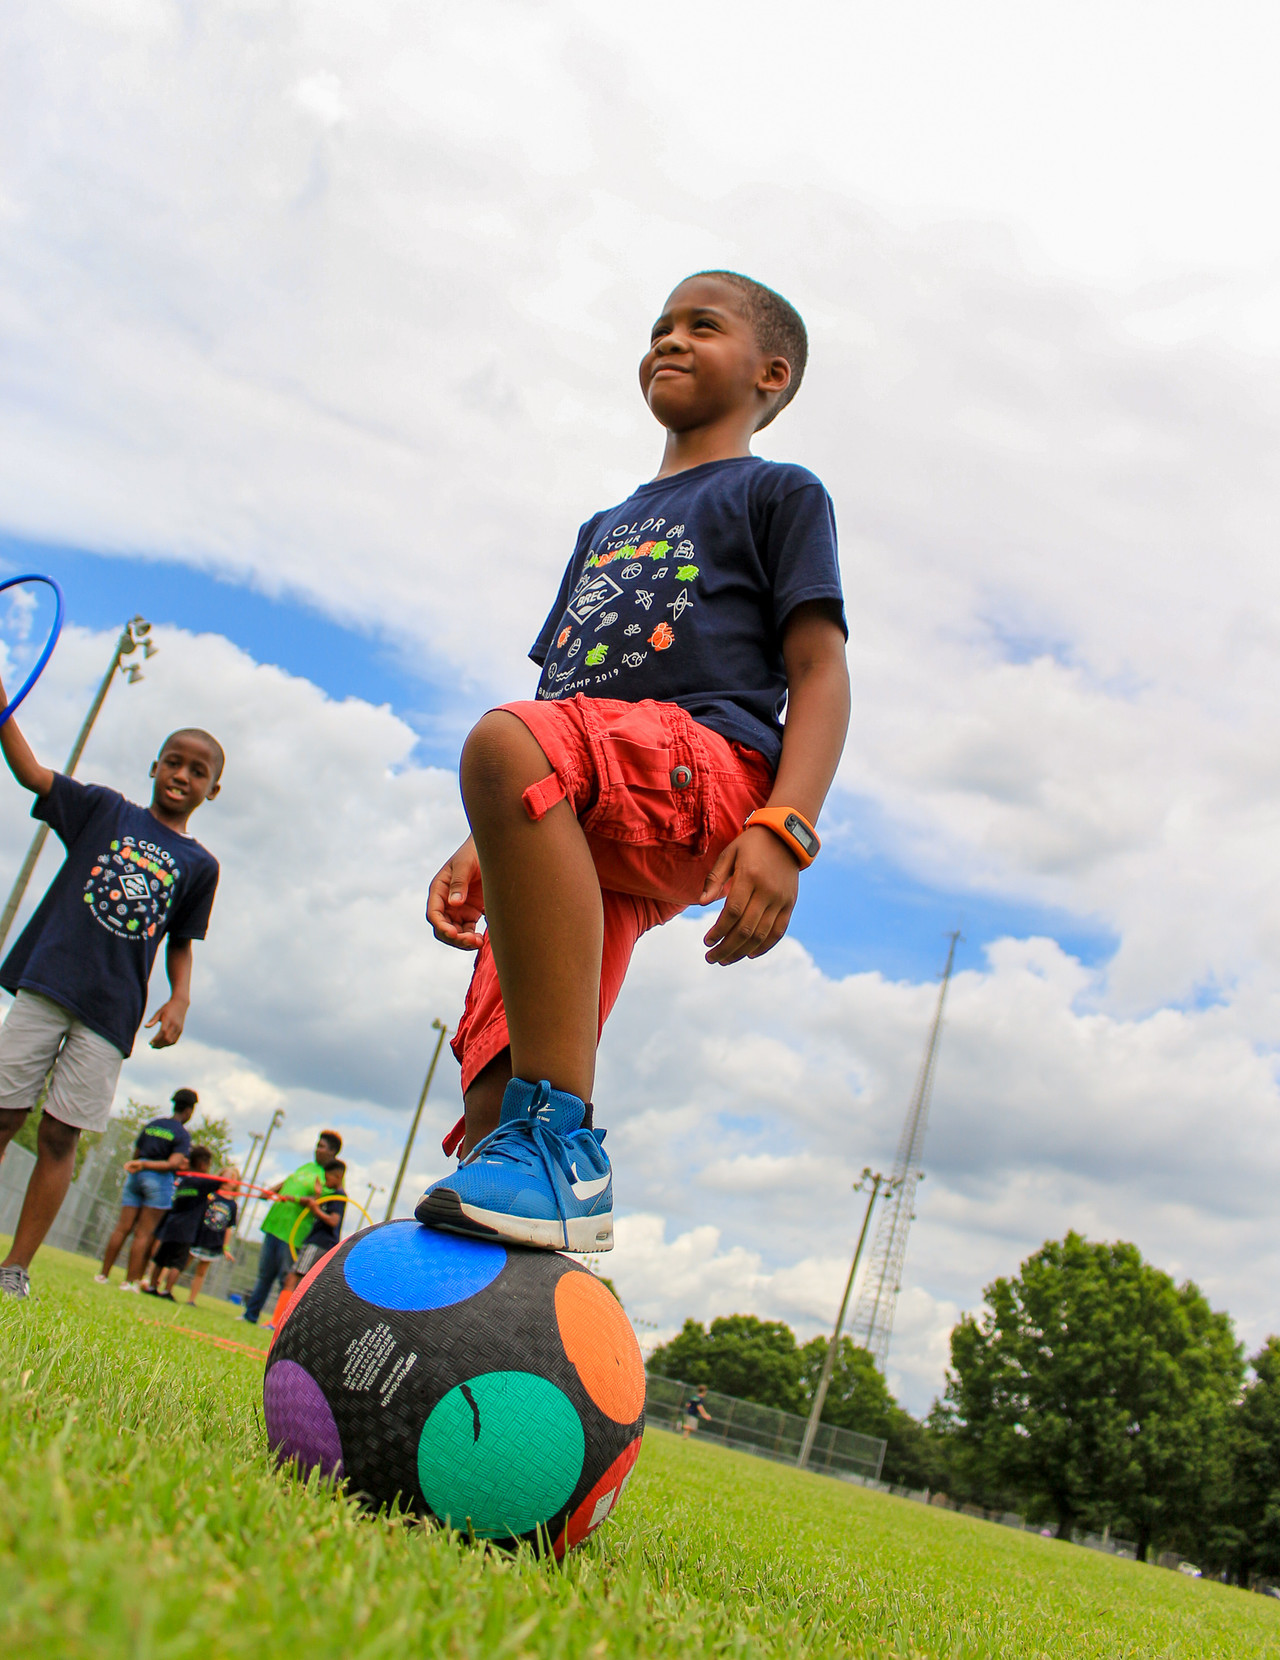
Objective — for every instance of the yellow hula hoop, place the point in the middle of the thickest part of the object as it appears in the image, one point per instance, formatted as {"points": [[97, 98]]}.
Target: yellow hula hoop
{"points": [[305, 1213]]}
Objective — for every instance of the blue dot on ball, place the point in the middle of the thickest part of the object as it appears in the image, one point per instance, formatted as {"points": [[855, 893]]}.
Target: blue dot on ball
{"points": [[406, 1266]]}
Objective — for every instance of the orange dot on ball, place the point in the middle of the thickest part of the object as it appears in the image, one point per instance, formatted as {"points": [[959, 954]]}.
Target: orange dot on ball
{"points": [[601, 1345]]}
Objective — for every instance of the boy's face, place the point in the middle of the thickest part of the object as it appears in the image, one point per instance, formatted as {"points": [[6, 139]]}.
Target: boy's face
{"points": [[704, 361], [185, 774], [333, 1179], [325, 1154]]}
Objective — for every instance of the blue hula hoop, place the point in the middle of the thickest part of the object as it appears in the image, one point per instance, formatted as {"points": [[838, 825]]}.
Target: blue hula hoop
{"points": [[49, 644]]}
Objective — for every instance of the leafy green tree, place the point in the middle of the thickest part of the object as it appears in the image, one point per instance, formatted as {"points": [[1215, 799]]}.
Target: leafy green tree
{"points": [[858, 1397], [756, 1360], [1097, 1390], [1252, 1514]]}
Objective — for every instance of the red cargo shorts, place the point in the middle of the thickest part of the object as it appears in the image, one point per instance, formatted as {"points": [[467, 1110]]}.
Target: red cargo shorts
{"points": [[659, 797]]}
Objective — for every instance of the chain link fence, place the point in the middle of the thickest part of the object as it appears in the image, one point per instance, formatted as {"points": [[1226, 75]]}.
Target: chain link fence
{"points": [[92, 1205], [766, 1431]]}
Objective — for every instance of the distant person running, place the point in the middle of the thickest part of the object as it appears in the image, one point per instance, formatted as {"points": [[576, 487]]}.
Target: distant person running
{"points": [[161, 1148], [80, 969], [177, 1233], [326, 1226], [695, 1408], [279, 1222], [217, 1228], [651, 770]]}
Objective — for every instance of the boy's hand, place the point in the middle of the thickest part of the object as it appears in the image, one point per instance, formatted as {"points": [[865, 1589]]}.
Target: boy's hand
{"points": [[455, 902], [17, 752], [170, 1017], [761, 879], [132, 1166]]}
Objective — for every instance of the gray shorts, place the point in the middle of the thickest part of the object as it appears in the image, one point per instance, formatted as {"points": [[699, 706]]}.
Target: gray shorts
{"points": [[38, 1034], [308, 1256]]}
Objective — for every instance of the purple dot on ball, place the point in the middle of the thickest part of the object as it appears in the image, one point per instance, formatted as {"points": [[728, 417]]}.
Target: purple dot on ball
{"points": [[299, 1423]]}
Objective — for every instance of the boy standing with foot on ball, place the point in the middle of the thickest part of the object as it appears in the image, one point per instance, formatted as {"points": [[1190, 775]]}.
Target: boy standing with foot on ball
{"points": [[132, 879], [653, 769]]}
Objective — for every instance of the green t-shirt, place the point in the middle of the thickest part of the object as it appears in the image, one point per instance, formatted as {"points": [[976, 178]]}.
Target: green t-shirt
{"points": [[282, 1218]]}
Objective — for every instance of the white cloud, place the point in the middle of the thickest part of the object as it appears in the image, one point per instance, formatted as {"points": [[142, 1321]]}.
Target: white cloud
{"points": [[1049, 1113], [324, 318], [347, 303]]}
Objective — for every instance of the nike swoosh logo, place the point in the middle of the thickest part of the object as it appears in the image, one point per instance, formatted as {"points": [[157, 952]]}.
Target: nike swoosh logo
{"points": [[588, 1190]]}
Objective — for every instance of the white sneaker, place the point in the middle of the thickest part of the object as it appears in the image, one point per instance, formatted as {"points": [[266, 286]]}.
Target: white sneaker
{"points": [[14, 1282], [130, 1286], [102, 1279]]}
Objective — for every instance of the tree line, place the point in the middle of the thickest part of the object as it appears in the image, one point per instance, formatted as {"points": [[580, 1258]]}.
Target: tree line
{"points": [[1090, 1392]]}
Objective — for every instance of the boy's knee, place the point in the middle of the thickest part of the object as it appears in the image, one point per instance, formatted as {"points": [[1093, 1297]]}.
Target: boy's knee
{"points": [[12, 1120], [55, 1138], [500, 756]]}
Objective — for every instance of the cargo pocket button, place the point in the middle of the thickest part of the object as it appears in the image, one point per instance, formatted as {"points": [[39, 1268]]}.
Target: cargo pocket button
{"points": [[681, 778]]}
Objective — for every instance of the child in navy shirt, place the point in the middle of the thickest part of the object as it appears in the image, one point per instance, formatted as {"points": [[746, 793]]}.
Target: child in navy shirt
{"points": [[217, 1226], [652, 771], [178, 1232], [326, 1226], [132, 879]]}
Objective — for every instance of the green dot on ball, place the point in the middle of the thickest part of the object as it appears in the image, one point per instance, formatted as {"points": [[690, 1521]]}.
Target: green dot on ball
{"points": [[500, 1454]]}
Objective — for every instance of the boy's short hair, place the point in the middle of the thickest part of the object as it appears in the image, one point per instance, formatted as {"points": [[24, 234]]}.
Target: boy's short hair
{"points": [[332, 1139], [779, 329], [183, 1099], [200, 1158], [219, 754], [338, 1166]]}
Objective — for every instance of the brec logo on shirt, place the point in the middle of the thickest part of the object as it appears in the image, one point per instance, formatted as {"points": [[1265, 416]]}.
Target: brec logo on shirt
{"points": [[130, 888]]}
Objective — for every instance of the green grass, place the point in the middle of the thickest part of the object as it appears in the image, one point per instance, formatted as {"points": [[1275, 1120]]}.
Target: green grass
{"points": [[140, 1516]]}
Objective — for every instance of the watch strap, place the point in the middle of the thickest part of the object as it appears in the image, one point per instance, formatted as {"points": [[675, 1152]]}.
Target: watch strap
{"points": [[791, 827]]}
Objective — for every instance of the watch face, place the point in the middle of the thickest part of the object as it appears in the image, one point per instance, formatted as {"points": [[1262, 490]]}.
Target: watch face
{"points": [[800, 830]]}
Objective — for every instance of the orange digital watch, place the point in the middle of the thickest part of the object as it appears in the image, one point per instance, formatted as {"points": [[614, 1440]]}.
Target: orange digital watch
{"points": [[790, 827]]}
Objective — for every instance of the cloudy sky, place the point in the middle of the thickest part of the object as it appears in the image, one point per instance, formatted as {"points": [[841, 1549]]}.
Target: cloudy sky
{"points": [[320, 327]]}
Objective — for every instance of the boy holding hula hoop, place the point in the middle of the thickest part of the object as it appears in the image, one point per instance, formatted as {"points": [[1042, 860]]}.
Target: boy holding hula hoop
{"points": [[132, 879], [327, 1213], [652, 771]]}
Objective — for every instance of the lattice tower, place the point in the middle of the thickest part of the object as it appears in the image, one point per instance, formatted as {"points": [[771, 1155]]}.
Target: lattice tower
{"points": [[872, 1323]]}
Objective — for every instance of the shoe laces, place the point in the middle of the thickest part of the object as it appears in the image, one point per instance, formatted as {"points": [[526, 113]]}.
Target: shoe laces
{"points": [[527, 1141]]}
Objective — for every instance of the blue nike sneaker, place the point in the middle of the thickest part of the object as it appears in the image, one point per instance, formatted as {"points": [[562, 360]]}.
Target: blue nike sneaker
{"points": [[539, 1179]]}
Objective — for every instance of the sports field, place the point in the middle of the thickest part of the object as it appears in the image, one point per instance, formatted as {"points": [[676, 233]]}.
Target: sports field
{"points": [[141, 1517]]}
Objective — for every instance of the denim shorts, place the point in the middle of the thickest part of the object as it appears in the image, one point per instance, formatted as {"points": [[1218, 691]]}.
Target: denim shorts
{"points": [[152, 1189]]}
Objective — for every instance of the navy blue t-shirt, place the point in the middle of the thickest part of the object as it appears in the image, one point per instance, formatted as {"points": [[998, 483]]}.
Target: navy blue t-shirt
{"points": [[219, 1215], [162, 1138], [126, 882], [683, 591], [328, 1233], [190, 1197]]}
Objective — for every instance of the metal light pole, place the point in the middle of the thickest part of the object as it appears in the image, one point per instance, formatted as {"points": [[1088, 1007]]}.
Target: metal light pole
{"points": [[255, 1136], [277, 1118], [828, 1364], [368, 1204], [132, 635], [413, 1128]]}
